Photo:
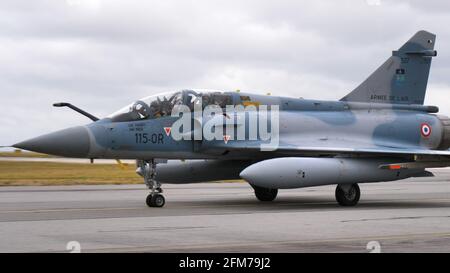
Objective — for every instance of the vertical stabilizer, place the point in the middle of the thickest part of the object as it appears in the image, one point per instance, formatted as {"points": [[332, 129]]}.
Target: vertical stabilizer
{"points": [[401, 79]]}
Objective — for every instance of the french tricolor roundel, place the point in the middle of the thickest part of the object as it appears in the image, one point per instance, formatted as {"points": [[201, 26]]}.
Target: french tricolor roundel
{"points": [[425, 130]]}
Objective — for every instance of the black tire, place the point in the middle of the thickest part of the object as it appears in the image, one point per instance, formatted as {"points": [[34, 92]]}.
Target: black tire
{"points": [[350, 198], [264, 194], [148, 200], [155, 200]]}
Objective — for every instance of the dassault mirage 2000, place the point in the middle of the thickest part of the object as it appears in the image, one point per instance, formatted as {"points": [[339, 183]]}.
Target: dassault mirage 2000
{"points": [[380, 131]]}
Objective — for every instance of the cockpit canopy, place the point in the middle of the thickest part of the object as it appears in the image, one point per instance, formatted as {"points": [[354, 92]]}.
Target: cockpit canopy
{"points": [[162, 104]]}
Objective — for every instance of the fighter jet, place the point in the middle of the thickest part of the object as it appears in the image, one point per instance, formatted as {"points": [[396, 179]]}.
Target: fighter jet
{"points": [[380, 131]]}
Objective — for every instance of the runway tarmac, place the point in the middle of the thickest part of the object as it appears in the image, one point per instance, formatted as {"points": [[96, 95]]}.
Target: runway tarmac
{"points": [[405, 216]]}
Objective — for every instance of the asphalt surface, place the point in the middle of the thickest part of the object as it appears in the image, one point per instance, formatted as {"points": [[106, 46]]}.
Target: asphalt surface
{"points": [[405, 216]]}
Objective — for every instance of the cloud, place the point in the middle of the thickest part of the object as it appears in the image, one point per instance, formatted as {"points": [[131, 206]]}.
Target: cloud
{"points": [[101, 55]]}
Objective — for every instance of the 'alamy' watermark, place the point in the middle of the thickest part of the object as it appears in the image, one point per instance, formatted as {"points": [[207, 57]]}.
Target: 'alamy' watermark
{"points": [[73, 247], [374, 247], [234, 122]]}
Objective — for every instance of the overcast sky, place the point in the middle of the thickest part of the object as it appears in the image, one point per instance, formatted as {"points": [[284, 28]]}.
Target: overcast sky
{"points": [[101, 55]]}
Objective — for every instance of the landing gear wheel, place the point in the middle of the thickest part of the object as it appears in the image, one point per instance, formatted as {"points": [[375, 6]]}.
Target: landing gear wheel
{"points": [[347, 195], [155, 200], [147, 169], [264, 194]]}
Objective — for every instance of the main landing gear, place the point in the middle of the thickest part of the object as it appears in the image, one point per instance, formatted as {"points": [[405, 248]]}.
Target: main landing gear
{"points": [[347, 195], [264, 194], [147, 169]]}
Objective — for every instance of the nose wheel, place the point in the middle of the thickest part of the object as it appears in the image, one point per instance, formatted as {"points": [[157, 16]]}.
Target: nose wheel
{"points": [[155, 200], [147, 169]]}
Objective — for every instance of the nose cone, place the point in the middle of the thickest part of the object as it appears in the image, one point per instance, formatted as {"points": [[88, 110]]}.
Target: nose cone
{"points": [[71, 142]]}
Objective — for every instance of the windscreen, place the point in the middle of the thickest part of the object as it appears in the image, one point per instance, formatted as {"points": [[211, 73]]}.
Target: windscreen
{"points": [[149, 107], [161, 105]]}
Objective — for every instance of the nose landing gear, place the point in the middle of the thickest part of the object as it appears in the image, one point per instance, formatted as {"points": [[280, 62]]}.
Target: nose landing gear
{"points": [[147, 169], [155, 200]]}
